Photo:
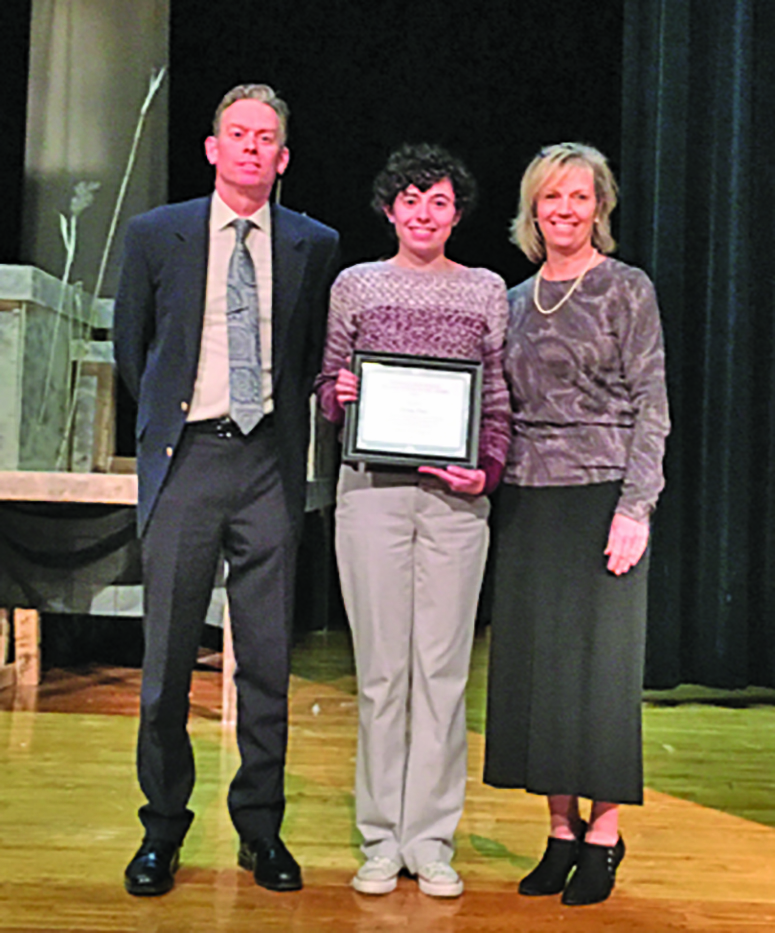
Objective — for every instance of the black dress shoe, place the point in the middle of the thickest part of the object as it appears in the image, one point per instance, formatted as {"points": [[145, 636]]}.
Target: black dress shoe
{"points": [[152, 870], [272, 864], [595, 874], [551, 873]]}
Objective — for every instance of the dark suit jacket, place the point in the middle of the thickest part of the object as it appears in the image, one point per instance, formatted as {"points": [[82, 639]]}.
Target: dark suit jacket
{"points": [[158, 329]]}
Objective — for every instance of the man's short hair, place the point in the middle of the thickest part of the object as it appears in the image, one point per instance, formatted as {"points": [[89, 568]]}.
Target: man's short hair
{"points": [[259, 92]]}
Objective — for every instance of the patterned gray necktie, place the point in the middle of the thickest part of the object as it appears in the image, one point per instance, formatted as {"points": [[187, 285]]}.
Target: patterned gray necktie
{"points": [[246, 404]]}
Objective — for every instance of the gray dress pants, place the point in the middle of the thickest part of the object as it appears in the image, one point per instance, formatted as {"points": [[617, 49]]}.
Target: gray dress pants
{"points": [[222, 495], [411, 558]]}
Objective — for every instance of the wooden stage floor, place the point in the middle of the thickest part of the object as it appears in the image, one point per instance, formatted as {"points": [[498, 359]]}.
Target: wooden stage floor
{"points": [[68, 800]]}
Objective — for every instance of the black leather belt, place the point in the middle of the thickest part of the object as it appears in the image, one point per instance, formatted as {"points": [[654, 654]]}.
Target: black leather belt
{"points": [[225, 427]]}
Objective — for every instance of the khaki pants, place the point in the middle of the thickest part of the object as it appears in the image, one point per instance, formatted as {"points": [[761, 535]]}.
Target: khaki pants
{"points": [[411, 558]]}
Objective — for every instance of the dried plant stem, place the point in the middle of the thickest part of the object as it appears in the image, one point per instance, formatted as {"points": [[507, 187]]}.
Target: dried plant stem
{"points": [[155, 83], [68, 226], [69, 258], [153, 87]]}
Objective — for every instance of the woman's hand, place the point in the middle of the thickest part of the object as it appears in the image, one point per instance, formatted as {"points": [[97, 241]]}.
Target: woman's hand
{"points": [[627, 542], [459, 479], [346, 387]]}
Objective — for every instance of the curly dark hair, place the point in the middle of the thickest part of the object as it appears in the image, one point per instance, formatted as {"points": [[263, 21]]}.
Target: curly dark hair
{"points": [[423, 165]]}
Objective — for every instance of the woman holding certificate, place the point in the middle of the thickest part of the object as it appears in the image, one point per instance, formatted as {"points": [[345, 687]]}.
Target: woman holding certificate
{"points": [[411, 543], [585, 365]]}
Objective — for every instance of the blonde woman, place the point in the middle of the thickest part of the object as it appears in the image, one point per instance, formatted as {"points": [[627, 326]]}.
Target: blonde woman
{"points": [[584, 362]]}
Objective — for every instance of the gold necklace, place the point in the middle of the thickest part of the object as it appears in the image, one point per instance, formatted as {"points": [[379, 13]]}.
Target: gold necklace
{"points": [[567, 295]]}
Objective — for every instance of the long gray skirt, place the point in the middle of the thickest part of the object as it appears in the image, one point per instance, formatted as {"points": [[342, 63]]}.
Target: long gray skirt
{"points": [[567, 649]]}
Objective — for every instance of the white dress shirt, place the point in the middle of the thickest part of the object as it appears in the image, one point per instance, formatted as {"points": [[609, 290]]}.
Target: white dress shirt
{"points": [[211, 389]]}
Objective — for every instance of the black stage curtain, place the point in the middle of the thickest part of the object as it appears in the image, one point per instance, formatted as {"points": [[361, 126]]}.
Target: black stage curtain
{"points": [[697, 193], [491, 81], [14, 55]]}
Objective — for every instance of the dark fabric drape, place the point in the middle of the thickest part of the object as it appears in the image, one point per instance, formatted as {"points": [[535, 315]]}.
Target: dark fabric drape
{"points": [[15, 16], [58, 557], [697, 213]]}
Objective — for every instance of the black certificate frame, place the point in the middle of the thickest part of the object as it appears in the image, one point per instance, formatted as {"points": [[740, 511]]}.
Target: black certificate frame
{"points": [[388, 455]]}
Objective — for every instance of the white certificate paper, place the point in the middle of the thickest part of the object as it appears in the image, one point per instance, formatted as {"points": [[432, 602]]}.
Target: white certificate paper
{"points": [[408, 410]]}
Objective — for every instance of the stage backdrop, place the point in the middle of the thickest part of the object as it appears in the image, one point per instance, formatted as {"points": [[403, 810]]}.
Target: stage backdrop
{"points": [[697, 213], [492, 81], [15, 55], [679, 93]]}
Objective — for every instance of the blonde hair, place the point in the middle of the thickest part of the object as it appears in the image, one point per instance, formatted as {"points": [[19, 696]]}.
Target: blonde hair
{"points": [[549, 161], [260, 92]]}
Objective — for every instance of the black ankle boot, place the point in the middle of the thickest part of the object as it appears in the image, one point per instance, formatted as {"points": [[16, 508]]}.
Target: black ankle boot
{"points": [[595, 874], [551, 873]]}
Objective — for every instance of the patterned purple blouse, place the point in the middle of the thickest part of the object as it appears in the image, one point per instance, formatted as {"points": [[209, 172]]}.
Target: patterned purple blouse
{"points": [[459, 314], [588, 386]]}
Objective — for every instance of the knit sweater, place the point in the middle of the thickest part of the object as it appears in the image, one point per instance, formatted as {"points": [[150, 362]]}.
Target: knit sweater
{"points": [[458, 314], [588, 386]]}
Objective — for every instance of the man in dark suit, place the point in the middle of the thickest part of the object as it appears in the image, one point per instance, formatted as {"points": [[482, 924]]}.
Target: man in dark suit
{"points": [[216, 478]]}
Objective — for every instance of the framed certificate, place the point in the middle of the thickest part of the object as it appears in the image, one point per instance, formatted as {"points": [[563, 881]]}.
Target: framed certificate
{"points": [[414, 411]]}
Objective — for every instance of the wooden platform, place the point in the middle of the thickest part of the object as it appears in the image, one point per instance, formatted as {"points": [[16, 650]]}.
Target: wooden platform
{"points": [[31, 486], [104, 488], [68, 827]]}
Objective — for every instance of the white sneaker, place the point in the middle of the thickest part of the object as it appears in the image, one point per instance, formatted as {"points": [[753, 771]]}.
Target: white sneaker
{"points": [[379, 875], [439, 879]]}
